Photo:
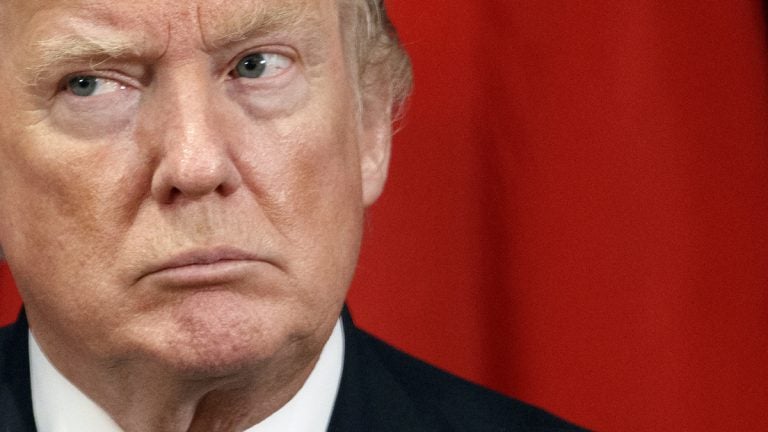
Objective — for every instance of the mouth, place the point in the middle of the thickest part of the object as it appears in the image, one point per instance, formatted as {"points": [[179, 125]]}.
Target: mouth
{"points": [[203, 267]]}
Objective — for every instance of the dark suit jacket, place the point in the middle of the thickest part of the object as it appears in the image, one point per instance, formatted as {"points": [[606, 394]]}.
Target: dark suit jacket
{"points": [[382, 390]]}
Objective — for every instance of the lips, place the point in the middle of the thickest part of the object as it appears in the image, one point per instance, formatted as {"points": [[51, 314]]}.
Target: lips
{"points": [[203, 266]]}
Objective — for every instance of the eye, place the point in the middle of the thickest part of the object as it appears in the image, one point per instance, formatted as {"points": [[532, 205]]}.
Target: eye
{"points": [[261, 65], [88, 85]]}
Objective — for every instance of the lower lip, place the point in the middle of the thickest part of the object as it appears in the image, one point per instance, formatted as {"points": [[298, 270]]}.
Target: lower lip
{"points": [[204, 275]]}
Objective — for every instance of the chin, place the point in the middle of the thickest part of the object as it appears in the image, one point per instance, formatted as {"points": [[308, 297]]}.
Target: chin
{"points": [[218, 334], [212, 362]]}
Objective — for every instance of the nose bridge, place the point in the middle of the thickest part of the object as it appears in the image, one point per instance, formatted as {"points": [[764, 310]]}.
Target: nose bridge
{"points": [[195, 158], [188, 122]]}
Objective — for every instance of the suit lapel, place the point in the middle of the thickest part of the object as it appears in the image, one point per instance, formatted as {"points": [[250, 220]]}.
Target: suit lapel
{"points": [[370, 398], [15, 392]]}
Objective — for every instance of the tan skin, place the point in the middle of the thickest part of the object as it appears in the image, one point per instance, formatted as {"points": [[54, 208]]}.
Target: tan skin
{"points": [[183, 229]]}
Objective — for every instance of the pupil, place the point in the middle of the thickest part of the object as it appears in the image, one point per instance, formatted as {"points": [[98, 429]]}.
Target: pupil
{"points": [[82, 85], [252, 66]]}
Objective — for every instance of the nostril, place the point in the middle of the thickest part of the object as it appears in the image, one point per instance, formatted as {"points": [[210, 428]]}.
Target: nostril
{"points": [[181, 177], [225, 188], [173, 194]]}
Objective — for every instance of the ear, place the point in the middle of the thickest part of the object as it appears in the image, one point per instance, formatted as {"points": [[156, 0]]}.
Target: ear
{"points": [[375, 148]]}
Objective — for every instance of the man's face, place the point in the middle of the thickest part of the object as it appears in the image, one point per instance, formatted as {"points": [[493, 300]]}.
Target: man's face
{"points": [[182, 181]]}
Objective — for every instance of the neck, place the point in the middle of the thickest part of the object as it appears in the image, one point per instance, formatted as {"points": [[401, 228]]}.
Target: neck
{"points": [[140, 396], [225, 404]]}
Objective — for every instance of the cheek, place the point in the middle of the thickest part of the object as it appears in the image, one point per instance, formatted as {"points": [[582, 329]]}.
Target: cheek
{"points": [[62, 203], [334, 210], [319, 178], [307, 180], [63, 217]]}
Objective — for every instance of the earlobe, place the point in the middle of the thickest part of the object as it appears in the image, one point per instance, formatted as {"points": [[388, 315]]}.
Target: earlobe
{"points": [[375, 153]]}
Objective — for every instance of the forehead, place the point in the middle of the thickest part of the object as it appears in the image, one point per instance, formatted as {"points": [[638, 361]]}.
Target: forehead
{"points": [[209, 20]]}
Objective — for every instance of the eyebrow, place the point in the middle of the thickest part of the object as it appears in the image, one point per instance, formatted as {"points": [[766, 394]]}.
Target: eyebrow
{"points": [[77, 47]]}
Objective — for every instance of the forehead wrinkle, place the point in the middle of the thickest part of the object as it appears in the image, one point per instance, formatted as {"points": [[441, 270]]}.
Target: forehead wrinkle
{"points": [[261, 19], [84, 41], [77, 49]]}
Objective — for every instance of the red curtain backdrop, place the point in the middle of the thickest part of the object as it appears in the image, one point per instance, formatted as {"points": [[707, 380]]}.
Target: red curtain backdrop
{"points": [[577, 212]]}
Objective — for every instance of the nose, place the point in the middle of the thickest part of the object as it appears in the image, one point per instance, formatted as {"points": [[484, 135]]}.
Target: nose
{"points": [[196, 158]]}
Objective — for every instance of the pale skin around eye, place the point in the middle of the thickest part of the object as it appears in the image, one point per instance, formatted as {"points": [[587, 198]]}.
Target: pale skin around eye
{"points": [[252, 66]]}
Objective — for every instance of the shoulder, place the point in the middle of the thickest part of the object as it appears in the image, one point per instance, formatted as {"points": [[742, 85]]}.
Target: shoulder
{"points": [[433, 398], [467, 405]]}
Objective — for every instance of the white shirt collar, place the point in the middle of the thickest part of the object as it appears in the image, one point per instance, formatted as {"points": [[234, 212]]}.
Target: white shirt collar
{"points": [[59, 406]]}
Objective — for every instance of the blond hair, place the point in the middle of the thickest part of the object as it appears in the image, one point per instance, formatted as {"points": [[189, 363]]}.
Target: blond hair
{"points": [[383, 66]]}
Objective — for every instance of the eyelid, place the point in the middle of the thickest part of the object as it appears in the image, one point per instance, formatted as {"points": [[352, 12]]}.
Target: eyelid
{"points": [[283, 51], [104, 75], [103, 86]]}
